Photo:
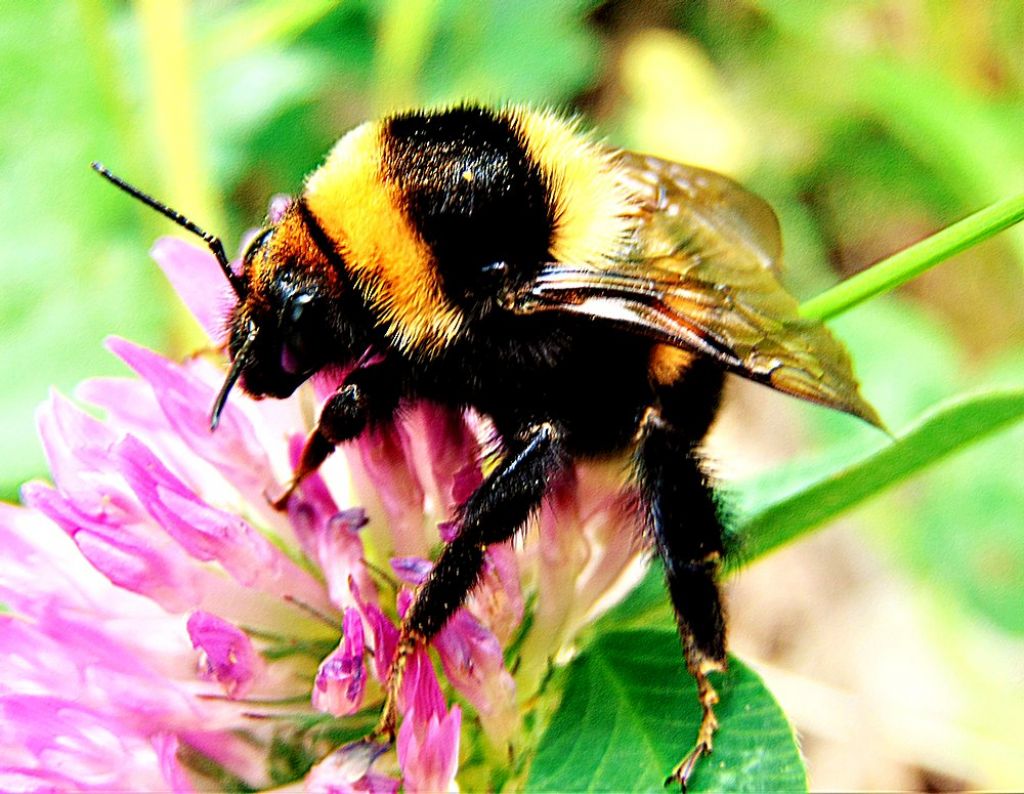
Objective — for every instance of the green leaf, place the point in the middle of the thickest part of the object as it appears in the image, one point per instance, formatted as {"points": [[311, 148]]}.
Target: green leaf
{"points": [[630, 712], [247, 94], [778, 519]]}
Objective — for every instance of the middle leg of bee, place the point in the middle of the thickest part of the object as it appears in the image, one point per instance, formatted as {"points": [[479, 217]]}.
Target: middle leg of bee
{"points": [[497, 509], [683, 518]]}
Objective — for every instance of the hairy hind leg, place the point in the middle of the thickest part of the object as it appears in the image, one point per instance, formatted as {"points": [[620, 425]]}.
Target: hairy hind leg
{"points": [[683, 518]]}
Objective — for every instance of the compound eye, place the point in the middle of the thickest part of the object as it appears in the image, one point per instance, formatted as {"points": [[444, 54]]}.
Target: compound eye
{"points": [[301, 330]]}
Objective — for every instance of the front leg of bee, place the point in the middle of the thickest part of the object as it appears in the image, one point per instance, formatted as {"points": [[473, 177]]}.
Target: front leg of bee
{"points": [[683, 517], [495, 511], [369, 395]]}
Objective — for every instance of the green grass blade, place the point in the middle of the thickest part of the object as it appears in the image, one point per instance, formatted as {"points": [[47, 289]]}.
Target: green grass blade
{"points": [[944, 430], [911, 262], [174, 109]]}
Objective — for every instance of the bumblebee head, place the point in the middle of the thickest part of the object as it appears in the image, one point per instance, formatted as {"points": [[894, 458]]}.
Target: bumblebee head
{"points": [[294, 311], [290, 319]]}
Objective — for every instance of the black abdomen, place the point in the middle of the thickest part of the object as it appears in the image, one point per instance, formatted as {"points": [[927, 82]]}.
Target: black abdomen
{"points": [[521, 371]]}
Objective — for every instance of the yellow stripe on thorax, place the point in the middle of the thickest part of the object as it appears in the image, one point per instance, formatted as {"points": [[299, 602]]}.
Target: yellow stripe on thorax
{"points": [[595, 212], [387, 259]]}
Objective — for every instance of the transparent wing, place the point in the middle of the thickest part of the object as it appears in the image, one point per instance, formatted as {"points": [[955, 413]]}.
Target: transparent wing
{"points": [[681, 203], [702, 276]]}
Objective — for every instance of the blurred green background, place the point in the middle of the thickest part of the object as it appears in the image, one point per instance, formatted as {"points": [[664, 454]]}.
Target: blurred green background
{"points": [[866, 124]]}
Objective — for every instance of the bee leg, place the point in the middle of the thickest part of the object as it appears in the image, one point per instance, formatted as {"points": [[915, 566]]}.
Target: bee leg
{"points": [[709, 724], [495, 511], [368, 395], [688, 533]]}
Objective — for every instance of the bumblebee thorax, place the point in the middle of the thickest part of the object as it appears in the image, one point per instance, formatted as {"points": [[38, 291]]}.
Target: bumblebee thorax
{"points": [[421, 204]]}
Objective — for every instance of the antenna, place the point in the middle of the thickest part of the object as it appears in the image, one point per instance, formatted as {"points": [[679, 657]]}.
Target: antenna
{"points": [[214, 243]]}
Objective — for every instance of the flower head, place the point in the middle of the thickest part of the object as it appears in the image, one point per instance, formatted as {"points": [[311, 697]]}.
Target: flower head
{"points": [[166, 629]]}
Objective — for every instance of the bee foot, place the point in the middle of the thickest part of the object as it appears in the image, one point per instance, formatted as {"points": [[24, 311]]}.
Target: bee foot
{"points": [[281, 502], [705, 734], [385, 730], [684, 769]]}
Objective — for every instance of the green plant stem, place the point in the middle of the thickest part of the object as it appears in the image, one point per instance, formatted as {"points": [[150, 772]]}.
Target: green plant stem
{"points": [[175, 110], [911, 262], [174, 117]]}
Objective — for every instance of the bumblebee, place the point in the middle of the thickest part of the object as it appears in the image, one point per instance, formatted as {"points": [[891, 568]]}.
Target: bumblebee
{"points": [[588, 301]]}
